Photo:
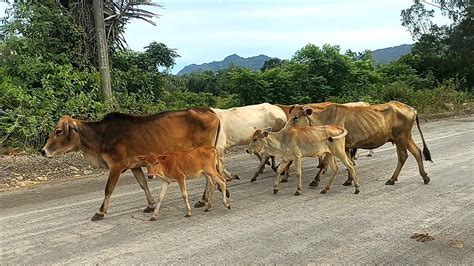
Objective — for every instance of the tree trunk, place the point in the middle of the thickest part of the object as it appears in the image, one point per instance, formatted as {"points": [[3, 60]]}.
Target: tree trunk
{"points": [[102, 51]]}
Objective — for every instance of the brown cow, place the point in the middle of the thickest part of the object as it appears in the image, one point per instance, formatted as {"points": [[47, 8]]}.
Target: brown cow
{"points": [[116, 139], [370, 127], [180, 166], [294, 143]]}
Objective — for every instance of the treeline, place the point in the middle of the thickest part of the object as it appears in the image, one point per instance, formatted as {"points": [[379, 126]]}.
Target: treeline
{"points": [[44, 75]]}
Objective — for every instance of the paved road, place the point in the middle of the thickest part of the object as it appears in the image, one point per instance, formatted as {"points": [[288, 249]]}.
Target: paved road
{"points": [[49, 224]]}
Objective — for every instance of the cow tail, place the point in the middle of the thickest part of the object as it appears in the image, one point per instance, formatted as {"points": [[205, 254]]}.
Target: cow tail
{"points": [[343, 134], [426, 151]]}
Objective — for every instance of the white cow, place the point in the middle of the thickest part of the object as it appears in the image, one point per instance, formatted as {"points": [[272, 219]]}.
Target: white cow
{"points": [[239, 123]]}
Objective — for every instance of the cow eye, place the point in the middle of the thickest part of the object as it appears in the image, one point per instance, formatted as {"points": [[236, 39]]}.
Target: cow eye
{"points": [[295, 118], [255, 139], [59, 131]]}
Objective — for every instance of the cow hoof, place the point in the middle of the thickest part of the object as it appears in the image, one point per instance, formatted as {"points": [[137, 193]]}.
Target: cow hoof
{"points": [[228, 207], [390, 182], [297, 193], [347, 183], [236, 177], [323, 191], [227, 193], [253, 179], [97, 217], [148, 209], [284, 180], [187, 216], [369, 155], [275, 191], [153, 219], [357, 191], [199, 204], [314, 184], [426, 180], [206, 210]]}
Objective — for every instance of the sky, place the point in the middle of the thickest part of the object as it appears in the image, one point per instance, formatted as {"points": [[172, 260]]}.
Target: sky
{"points": [[209, 30]]}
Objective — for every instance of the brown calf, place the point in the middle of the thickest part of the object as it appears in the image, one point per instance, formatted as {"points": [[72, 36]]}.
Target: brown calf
{"points": [[180, 166]]}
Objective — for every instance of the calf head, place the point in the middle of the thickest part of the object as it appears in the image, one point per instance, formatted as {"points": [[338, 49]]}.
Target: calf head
{"points": [[300, 116], [63, 139], [153, 163], [258, 142]]}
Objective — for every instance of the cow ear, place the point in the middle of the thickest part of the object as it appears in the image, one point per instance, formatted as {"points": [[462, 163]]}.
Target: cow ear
{"points": [[308, 111], [291, 109], [268, 129], [137, 161], [265, 134]]}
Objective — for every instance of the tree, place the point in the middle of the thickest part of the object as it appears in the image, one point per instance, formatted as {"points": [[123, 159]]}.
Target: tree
{"points": [[444, 51], [102, 52]]}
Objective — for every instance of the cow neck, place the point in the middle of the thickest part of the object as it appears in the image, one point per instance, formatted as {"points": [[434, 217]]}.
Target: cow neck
{"points": [[90, 134], [273, 143]]}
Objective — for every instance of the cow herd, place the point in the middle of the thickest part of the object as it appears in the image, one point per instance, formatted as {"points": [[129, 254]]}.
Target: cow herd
{"points": [[179, 145]]}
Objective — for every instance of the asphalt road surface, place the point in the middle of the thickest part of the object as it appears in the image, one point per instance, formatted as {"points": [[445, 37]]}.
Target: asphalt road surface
{"points": [[50, 223]]}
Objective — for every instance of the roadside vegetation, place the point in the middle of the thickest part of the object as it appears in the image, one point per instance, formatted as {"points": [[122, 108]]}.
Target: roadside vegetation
{"points": [[46, 71]]}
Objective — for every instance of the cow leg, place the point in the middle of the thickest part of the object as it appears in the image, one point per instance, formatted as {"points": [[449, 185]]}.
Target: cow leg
{"points": [[164, 189], [419, 160], [140, 177], [371, 153], [323, 165], [349, 155], [402, 157], [280, 170], [299, 186], [109, 189], [287, 173], [184, 193], [331, 160]]}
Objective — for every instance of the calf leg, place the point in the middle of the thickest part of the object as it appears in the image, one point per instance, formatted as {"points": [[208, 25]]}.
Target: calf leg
{"points": [[350, 168], [184, 193], [280, 170], [274, 166], [419, 160], [222, 184], [140, 177], [371, 153], [109, 189], [209, 193], [204, 198], [286, 172], [323, 165], [332, 164], [352, 160], [164, 189], [402, 157], [299, 187], [261, 166]]}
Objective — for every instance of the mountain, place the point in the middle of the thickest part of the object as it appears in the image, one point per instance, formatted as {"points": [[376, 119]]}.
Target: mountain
{"points": [[379, 56], [387, 55], [253, 63]]}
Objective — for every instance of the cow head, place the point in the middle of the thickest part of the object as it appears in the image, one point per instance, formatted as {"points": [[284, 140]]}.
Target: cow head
{"points": [[258, 142], [300, 116], [63, 139], [153, 163]]}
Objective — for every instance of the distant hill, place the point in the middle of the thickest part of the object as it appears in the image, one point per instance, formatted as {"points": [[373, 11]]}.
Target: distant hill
{"points": [[379, 56], [253, 63], [387, 55]]}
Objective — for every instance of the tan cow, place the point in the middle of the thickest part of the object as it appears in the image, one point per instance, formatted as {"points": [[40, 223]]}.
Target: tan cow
{"points": [[294, 143], [181, 166], [370, 127], [116, 139]]}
